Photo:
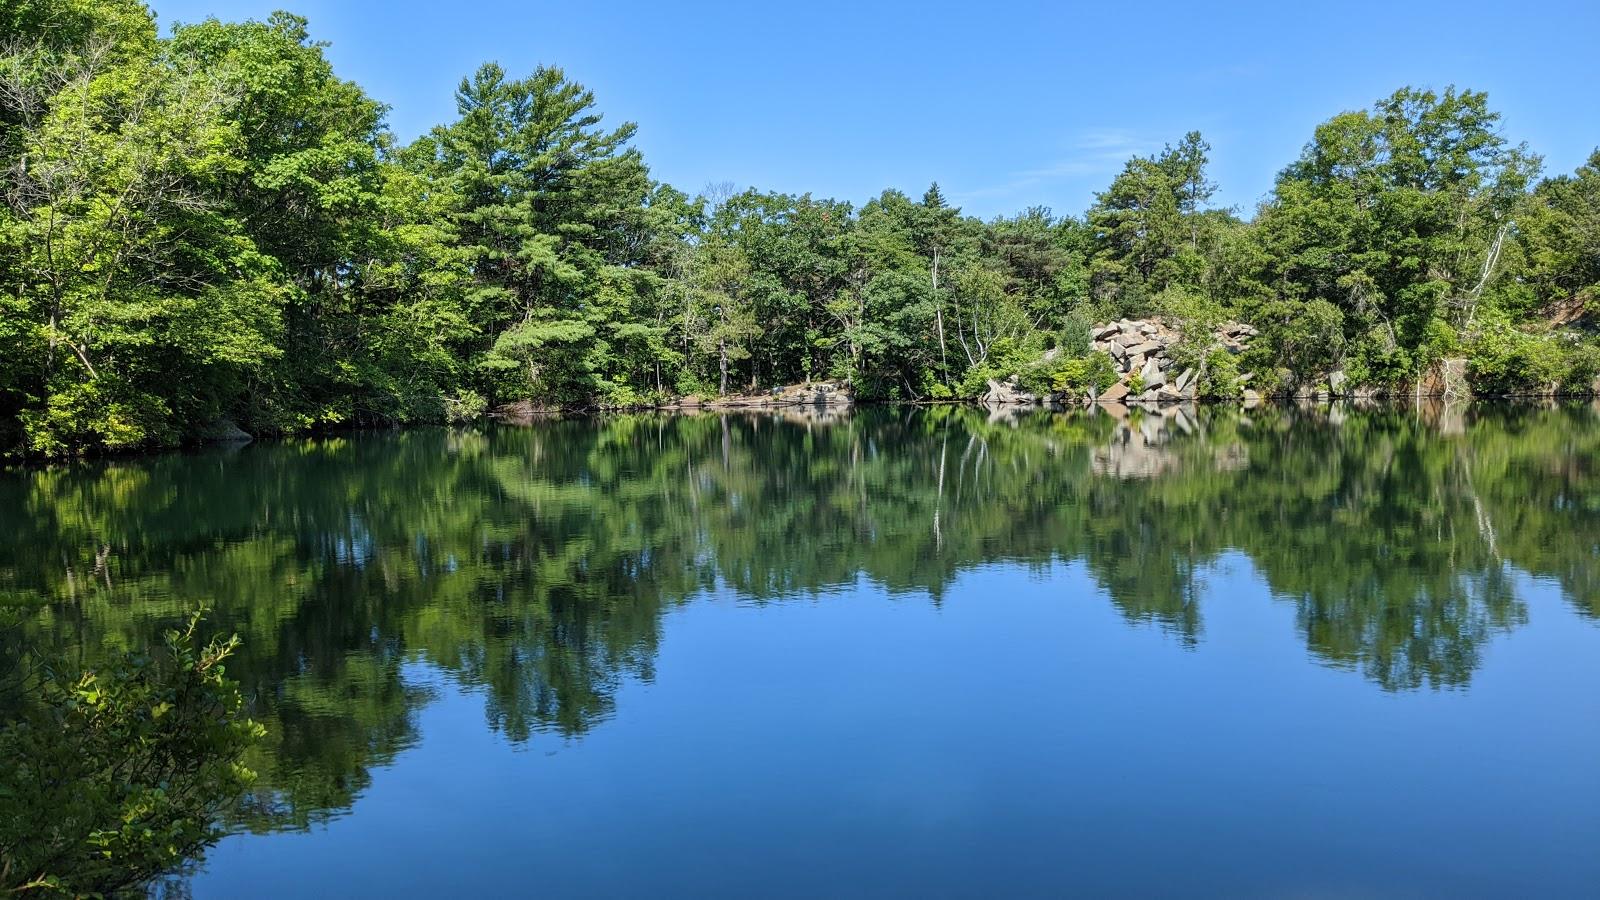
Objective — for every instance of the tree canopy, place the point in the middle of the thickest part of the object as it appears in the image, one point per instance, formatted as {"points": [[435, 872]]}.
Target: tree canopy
{"points": [[212, 227]]}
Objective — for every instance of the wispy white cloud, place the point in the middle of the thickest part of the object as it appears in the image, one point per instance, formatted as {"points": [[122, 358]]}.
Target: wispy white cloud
{"points": [[1099, 151]]}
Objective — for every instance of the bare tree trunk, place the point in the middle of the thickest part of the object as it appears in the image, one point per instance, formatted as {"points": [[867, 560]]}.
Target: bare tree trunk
{"points": [[722, 357], [1490, 259]]}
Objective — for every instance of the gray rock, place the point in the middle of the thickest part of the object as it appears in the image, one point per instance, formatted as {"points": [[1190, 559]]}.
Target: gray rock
{"points": [[1146, 348], [1337, 381], [224, 431], [1114, 393], [1185, 378], [1006, 394], [1152, 375]]}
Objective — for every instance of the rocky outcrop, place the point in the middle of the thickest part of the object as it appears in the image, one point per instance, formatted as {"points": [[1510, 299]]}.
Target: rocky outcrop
{"points": [[815, 393], [224, 431], [1142, 351], [1007, 393], [521, 412]]}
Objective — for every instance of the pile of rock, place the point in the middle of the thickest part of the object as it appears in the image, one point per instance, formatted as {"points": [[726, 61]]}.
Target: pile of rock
{"points": [[1141, 349], [815, 393]]}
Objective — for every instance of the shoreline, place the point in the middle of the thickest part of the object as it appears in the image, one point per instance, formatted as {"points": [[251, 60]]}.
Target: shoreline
{"points": [[832, 411]]}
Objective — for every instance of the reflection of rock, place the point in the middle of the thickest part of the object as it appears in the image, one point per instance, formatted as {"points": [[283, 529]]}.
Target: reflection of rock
{"points": [[813, 414], [1146, 444]]}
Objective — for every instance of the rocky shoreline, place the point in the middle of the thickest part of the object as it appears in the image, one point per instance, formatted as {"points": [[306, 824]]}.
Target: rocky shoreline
{"points": [[1145, 355], [1154, 365]]}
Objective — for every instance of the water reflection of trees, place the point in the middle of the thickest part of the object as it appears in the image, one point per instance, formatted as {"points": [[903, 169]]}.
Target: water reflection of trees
{"points": [[534, 565]]}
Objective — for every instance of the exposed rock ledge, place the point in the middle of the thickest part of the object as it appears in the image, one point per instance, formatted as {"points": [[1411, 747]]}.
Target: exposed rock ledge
{"points": [[816, 393], [1141, 350]]}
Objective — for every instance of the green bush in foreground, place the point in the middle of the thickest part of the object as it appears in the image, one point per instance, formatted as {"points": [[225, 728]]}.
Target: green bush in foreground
{"points": [[111, 778]]}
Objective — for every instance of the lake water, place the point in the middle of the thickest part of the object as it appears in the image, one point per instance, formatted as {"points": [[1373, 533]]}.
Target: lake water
{"points": [[920, 652]]}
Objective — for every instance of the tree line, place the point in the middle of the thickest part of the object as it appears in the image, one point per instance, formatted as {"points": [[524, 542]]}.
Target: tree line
{"points": [[214, 227]]}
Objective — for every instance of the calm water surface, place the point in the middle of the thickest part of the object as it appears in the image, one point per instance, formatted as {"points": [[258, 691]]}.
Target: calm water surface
{"points": [[923, 652]]}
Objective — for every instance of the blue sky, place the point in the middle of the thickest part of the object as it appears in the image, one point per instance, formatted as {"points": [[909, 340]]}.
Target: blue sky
{"points": [[1007, 105]]}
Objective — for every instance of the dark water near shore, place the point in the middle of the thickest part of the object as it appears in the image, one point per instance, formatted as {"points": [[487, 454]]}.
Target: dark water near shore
{"points": [[904, 651]]}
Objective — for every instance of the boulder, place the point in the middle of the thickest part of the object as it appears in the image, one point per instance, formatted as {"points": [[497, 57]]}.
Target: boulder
{"points": [[1146, 348], [1185, 378], [1337, 381], [1114, 393], [1006, 394], [1152, 375], [1105, 332], [1169, 393], [224, 431]]}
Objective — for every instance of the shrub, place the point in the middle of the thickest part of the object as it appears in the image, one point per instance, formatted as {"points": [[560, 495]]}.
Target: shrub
{"points": [[106, 413], [1220, 375], [1075, 335], [1583, 366], [1503, 360], [975, 382], [1094, 372], [1068, 374], [467, 406], [112, 777]]}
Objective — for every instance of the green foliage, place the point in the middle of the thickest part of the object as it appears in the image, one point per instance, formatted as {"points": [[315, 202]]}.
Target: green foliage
{"points": [[214, 225], [1392, 218], [1219, 375], [1504, 360], [116, 775], [1094, 372]]}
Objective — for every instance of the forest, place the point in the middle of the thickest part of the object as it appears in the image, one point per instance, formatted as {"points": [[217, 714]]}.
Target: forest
{"points": [[212, 229]]}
